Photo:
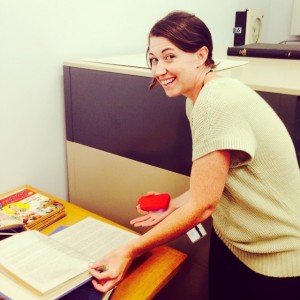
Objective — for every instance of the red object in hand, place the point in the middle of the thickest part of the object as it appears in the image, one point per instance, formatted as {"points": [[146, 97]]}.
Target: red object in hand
{"points": [[154, 202]]}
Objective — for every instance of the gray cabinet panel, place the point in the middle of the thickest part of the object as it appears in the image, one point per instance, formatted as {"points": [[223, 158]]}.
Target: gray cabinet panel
{"points": [[68, 103], [117, 113]]}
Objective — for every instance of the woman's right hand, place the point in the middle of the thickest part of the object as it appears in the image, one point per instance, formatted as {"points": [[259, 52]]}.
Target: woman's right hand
{"points": [[109, 270]]}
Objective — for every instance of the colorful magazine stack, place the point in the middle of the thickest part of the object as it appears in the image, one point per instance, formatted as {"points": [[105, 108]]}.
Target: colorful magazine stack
{"points": [[28, 209]]}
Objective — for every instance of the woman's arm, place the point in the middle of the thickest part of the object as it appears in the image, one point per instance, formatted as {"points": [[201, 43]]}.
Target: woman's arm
{"points": [[208, 177]]}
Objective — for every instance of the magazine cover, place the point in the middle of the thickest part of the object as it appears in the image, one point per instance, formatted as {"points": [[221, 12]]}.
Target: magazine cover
{"points": [[26, 207]]}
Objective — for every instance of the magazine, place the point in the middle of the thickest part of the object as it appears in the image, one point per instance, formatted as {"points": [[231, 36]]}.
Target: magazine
{"points": [[29, 209]]}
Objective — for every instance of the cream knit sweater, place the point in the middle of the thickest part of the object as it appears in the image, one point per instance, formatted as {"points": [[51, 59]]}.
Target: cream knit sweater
{"points": [[258, 217]]}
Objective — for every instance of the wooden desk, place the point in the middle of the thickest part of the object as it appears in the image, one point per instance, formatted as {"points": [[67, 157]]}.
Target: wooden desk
{"points": [[148, 274]]}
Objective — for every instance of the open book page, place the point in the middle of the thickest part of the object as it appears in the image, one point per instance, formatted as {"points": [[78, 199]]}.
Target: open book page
{"points": [[93, 238], [40, 261], [15, 290], [44, 262]]}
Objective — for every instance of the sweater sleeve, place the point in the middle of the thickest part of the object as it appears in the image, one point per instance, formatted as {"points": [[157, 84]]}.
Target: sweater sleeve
{"points": [[218, 122]]}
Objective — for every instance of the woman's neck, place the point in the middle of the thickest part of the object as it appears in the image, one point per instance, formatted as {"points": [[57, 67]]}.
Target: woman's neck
{"points": [[206, 76]]}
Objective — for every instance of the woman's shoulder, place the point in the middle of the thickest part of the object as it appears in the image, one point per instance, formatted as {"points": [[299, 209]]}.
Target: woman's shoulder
{"points": [[226, 88], [219, 81]]}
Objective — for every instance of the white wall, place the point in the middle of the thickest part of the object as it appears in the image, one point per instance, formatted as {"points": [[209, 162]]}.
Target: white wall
{"points": [[278, 21], [36, 36]]}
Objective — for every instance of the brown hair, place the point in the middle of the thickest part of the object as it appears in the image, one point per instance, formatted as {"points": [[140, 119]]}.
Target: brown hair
{"points": [[186, 32]]}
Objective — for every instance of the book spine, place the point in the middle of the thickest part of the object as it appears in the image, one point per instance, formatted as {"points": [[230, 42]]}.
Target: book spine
{"points": [[286, 54]]}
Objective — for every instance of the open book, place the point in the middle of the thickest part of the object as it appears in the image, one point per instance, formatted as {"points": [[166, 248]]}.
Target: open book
{"points": [[37, 266]]}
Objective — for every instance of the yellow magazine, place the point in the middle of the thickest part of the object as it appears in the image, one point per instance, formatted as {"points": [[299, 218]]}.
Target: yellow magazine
{"points": [[30, 209]]}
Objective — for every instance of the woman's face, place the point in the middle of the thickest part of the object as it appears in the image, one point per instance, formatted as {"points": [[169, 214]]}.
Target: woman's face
{"points": [[177, 71]]}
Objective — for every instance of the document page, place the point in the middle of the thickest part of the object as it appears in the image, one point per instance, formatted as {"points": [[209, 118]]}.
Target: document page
{"points": [[40, 261], [93, 238]]}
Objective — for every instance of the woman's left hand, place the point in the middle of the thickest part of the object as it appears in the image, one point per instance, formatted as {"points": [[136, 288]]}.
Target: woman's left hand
{"points": [[150, 218], [153, 217]]}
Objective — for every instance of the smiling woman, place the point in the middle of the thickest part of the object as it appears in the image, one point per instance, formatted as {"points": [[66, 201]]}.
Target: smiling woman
{"points": [[178, 72], [192, 36], [244, 174]]}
